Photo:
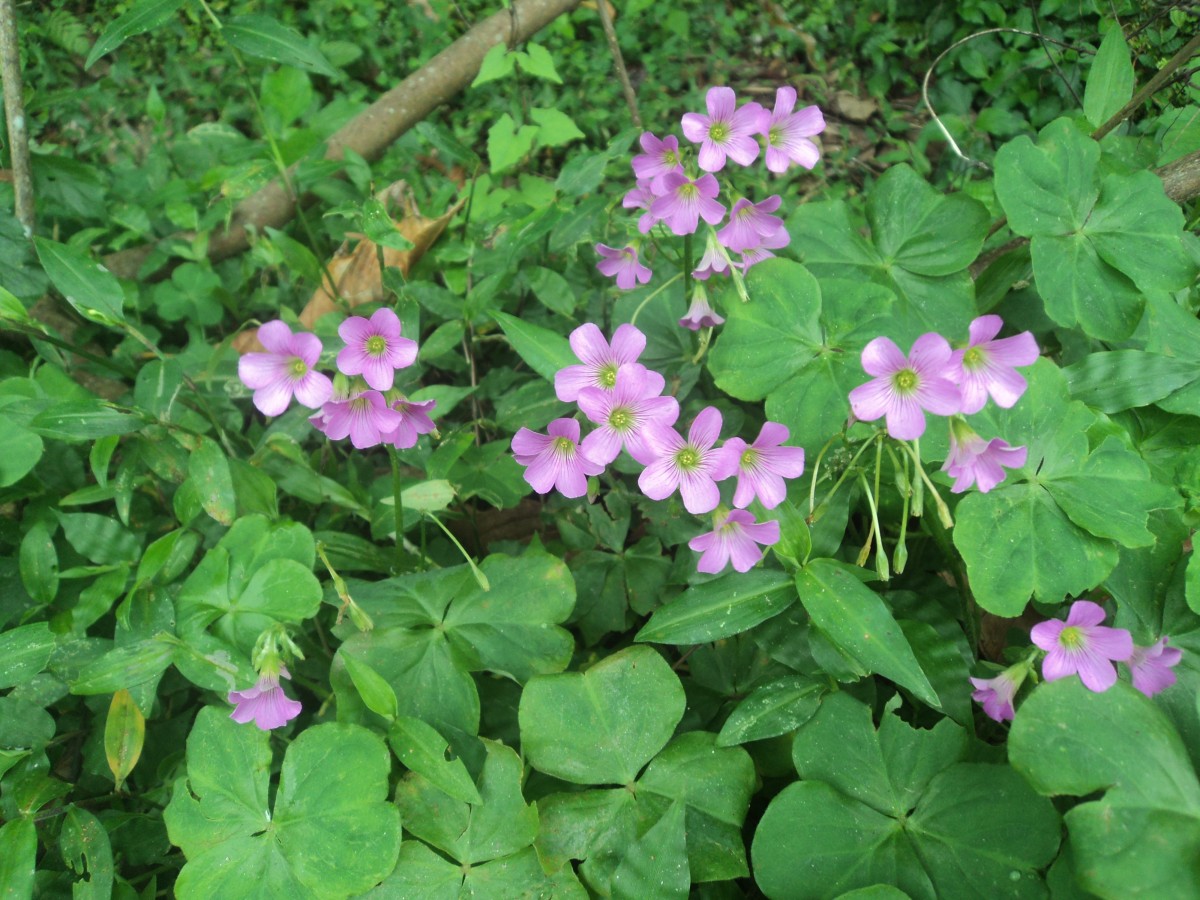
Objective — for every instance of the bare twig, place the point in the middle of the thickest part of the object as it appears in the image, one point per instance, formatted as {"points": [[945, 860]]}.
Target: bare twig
{"points": [[614, 48], [14, 111]]}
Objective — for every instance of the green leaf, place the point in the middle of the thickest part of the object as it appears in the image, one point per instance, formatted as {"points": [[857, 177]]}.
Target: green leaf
{"points": [[124, 667], [24, 652], [87, 851], [376, 693], [38, 563], [1081, 290], [855, 618], [1110, 81], [208, 470], [101, 539], [774, 708], [85, 284], [419, 747], [18, 855], [1116, 380], [507, 144], [1049, 188], [499, 824], [83, 420], [601, 726], [124, 735], [725, 606], [497, 63], [1137, 838], [657, 864], [20, 451], [143, 17], [554, 128], [544, 350], [536, 60], [332, 831], [264, 38], [380, 228]]}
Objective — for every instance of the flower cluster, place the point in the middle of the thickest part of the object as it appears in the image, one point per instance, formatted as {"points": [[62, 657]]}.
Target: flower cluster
{"points": [[265, 704], [677, 193], [1081, 646], [360, 401], [624, 400], [937, 379]]}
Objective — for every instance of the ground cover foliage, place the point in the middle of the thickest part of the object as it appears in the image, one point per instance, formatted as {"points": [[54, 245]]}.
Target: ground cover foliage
{"points": [[927, 662]]}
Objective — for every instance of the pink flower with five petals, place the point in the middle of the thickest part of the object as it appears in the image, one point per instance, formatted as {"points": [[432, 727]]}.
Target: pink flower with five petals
{"points": [[1082, 645], [285, 370], [726, 132], [986, 365], [905, 388]]}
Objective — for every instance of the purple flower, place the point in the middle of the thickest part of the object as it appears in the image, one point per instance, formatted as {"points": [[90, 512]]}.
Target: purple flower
{"points": [[750, 223], [726, 131], [996, 694], [985, 366], [715, 259], [660, 158], [1082, 645], [687, 465], [627, 414], [624, 264], [684, 201], [1151, 666], [700, 314], [761, 466], [374, 348], [599, 360], [414, 421], [640, 198], [285, 370], [904, 388], [755, 255], [555, 460], [736, 537], [788, 132], [265, 703], [973, 460], [365, 418]]}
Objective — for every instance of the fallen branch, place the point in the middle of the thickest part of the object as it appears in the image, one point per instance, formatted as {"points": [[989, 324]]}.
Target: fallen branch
{"points": [[371, 132], [14, 112]]}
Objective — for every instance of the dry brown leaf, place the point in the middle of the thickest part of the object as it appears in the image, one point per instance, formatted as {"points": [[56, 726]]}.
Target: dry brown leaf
{"points": [[357, 273]]}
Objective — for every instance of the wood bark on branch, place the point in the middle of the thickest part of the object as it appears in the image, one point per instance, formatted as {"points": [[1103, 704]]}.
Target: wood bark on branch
{"points": [[372, 131]]}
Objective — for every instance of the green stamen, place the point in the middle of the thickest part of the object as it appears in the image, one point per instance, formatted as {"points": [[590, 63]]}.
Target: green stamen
{"points": [[974, 358], [564, 446], [607, 376], [621, 419], [376, 345], [299, 367], [749, 459], [687, 459], [1071, 638], [718, 132], [688, 191], [906, 381]]}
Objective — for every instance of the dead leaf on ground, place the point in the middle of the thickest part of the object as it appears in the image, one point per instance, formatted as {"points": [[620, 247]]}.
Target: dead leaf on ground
{"points": [[357, 273], [852, 108]]}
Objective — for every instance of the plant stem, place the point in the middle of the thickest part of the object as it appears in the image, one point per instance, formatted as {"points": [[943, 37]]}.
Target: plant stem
{"points": [[398, 503]]}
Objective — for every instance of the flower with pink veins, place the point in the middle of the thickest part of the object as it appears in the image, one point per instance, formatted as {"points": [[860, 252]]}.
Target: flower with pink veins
{"points": [[715, 259], [1151, 666], [640, 198], [700, 313], [905, 388], [1082, 645], [622, 262], [414, 421], [627, 414], [996, 694], [265, 704], [726, 131], [761, 466], [735, 537], [285, 370], [555, 459], [660, 157], [684, 201], [599, 360], [365, 418], [751, 223], [972, 460], [374, 348], [686, 465], [986, 365], [788, 133]]}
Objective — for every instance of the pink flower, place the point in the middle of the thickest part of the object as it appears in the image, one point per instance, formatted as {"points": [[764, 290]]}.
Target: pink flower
{"points": [[640, 198], [750, 223], [1151, 666], [599, 360], [700, 314], [660, 157], [365, 418], [374, 348], [755, 255], [627, 414], [761, 466], [555, 460], [715, 259], [1082, 645], [285, 370], [736, 537], [726, 131], [624, 264], [686, 465], [265, 703], [414, 421], [985, 366], [684, 201], [973, 460], [904, 388], [996, 694], [788, 132]]}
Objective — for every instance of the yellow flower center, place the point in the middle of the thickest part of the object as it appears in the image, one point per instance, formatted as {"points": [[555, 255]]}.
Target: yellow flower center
{"points": [[376, 345], [687, 459], [1071, 637], [621, 419], [974, 358], [749, 458], [299, 367], [688, 191], [774, 136], [607, 376], [564, 446], [906, 381], [718, 132]]}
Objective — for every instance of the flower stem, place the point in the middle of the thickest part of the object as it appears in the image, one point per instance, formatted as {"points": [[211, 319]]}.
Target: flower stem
{"points": [[397, 504], [662, 287], [480, 578]]}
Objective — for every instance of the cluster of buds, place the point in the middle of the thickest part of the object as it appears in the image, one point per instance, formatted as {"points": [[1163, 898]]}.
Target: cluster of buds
{"points": [[265, 704], [360, 401], [675, 193], [625, 401]]}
